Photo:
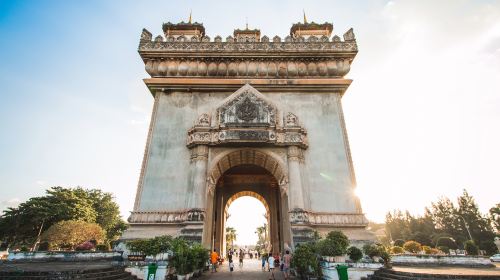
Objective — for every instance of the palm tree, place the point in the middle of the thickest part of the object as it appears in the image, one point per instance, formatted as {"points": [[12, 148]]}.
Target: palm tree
{"points": [[230, 236]]}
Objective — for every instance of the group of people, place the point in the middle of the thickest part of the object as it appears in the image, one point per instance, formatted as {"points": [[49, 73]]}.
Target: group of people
{"points": [[272, 262], [269, 262]]}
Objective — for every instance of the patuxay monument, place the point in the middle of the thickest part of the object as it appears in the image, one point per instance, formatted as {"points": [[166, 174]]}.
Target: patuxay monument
{"points": [[247, 115]]}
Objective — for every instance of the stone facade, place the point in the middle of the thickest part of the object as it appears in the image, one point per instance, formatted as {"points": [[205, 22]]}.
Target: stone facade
{"points": [[271, 104]]}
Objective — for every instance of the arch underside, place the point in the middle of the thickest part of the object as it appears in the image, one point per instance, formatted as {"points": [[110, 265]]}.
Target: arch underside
{"points": [[248, 156], [248, 172]]}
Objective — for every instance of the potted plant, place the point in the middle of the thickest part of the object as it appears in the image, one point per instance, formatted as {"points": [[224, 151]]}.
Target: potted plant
{"points": [[354, 253], [373, 251], [200, 257], [181, 259], [334, 246], [305, 262]]}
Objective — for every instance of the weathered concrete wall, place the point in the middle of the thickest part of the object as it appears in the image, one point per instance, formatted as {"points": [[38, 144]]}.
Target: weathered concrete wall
{"points": [[327, 177]]}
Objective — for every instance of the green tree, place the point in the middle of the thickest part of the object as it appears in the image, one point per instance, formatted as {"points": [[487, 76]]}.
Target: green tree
{"points": [[230, 236], [23, 225], [69, 234], [472, 220], [495, 217]]}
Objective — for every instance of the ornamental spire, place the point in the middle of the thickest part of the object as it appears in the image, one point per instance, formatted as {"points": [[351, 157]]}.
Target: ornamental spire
{"points": [[305, 19], [190, 13]]}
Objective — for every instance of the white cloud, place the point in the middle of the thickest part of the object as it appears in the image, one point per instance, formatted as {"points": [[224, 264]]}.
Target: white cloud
{"points": [[13, 202]]}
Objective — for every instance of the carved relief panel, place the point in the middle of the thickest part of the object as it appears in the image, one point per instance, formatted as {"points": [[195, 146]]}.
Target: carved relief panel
{"points": [[247, 117], [247, 109]]}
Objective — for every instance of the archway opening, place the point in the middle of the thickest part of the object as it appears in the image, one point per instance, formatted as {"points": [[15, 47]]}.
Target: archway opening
{"points": [[247, 223], [248, 181]]}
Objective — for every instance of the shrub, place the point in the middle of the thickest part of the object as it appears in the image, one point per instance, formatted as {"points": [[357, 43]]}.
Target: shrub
{"points": [[102, 247], [384, 255], [182, 260], [412, 246], [69, 234], [422, 238], [399, 242], [43, 246], [305, 261], [152, 246], [354, 253], [373, 250], [471, 248], [435, 251], [24, 248], [488, 246], [446, 241], [85, 246], [335, 244], [201, 256], [397, 250], [426, 249], [444, 249]]}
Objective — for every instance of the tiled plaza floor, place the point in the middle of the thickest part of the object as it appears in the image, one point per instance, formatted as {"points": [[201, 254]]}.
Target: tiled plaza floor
{"points": [[251, 270]]}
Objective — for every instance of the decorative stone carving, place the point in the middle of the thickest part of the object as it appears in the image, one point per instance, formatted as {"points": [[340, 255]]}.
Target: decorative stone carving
{"points": [[247, 117], [276, 39], [195, 215], [291, 120], [349, 35], [299, 216], [336, 39], [218, 39], [247, 108], [264, 39], [203, 120], [146, 35], [229, 39], [158, 38]]}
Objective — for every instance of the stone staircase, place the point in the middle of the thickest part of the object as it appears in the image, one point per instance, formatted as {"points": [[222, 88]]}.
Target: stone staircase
{"points": [[389, 274], [110, 273]]}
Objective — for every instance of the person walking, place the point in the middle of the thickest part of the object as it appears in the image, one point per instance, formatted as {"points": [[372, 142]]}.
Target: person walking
{"points": [[231, 265], [287, 260], [270, 261], [241, 258], [264, 259], [213, 259]]}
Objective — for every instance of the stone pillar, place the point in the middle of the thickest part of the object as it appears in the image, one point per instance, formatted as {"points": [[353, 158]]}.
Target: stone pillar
{"points": [[295, 192], [208, 238], [199, 158], [299, 220], [196, 208]]}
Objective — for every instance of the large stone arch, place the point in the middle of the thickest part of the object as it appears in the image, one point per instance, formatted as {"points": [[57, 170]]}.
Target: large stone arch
{"points": [[228, 159], [220, 195], [247, 193]]}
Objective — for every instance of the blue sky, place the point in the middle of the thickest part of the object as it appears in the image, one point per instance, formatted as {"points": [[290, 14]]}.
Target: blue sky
{"points": [[423, 113]]}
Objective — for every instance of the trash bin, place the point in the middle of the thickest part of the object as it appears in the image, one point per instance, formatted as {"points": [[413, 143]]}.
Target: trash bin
{"points": [[342, 272], [152, 267]]}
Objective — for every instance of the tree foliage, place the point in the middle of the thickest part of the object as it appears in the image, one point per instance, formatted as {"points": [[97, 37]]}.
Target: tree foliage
{"points": [[70, 234], [23, 225], [412, 247], [458, 221], [230, 236], [335, 244], [354, 253]]}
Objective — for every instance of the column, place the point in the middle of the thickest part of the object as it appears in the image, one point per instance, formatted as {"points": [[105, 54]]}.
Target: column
{"points": [[199, 156], [295, 192]]}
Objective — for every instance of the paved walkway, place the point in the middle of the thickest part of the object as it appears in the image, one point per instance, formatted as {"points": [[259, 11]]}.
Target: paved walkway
{"points": [[251, 270]]}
